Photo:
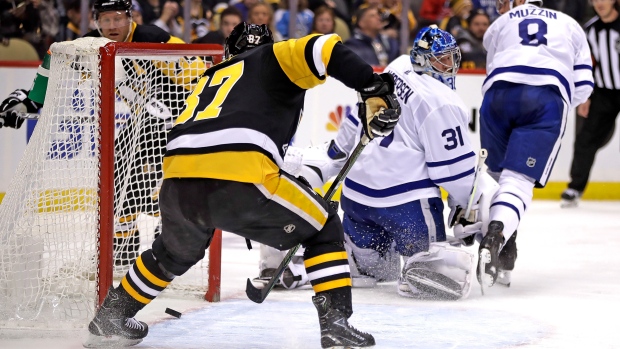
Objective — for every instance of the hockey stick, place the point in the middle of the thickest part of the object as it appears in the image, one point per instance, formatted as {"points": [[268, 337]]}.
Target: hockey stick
{"points": [[481, 159], [27, 116], [258, 295]]}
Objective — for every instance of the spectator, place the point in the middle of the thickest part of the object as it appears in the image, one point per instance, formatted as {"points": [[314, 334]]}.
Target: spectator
{"points": [[199, 18], [168, 19], [489, 7], [368, 42], [394, 9], [229, 18], [470, 41], [262, 13], [458, 21], [244, 7], [303, 22], [432, 12], [151, 10], [601, 109], [71, 30], [136, 12], [36, 21], [324, 21]]}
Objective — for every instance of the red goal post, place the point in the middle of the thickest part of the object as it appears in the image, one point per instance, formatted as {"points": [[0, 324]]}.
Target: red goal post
{"points": [[82, 203], [108, 53]]}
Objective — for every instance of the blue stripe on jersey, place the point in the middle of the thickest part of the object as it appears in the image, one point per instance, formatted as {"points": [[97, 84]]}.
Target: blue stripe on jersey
{"points": [[510, 206], [455, 177], [585, 82], [451, 161], [524, 69], [352, 119], [582, 66], [382, 193]]}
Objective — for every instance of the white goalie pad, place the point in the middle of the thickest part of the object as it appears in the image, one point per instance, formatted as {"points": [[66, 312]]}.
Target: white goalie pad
{"points": [[369, 266], [292, 161], [294, 276], [444, 272]]}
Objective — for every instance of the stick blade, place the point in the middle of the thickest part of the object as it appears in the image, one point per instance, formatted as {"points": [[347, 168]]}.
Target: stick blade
{"points": [[253, 293]]}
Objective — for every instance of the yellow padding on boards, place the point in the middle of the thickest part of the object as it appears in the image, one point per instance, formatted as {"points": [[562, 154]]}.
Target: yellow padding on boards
{"points": [[330, 285], [326, 257], [133, 292], [601, 191], [148, 275]]}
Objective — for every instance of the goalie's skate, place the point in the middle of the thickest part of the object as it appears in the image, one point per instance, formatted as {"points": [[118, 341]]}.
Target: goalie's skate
{"points": [[336, 333], [488, 255], [111, 328]]}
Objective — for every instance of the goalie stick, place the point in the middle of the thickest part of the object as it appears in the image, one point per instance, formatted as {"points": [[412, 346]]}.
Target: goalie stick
{"points": [[258, 295]]}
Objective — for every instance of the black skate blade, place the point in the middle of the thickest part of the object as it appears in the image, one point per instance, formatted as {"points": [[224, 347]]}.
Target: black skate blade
{"points": [[94, 341], [438, 286]]}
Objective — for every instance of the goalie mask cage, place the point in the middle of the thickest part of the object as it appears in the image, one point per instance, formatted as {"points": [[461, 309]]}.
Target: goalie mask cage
{"points": [[83, 202]]}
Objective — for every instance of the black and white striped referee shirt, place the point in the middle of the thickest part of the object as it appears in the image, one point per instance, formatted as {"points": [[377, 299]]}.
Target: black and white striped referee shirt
{"points": [[604, 40]]}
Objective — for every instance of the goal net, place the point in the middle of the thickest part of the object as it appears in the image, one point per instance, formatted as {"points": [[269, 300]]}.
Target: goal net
{"points": [[83, 203]]}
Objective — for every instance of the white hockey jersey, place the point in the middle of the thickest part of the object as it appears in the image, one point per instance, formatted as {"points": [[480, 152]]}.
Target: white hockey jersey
{"points": [[537, 46], [428, 148]]}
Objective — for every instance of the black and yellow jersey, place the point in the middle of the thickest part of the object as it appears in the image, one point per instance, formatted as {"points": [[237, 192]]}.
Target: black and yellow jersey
{"points": [[243, 113], [175, 80]]}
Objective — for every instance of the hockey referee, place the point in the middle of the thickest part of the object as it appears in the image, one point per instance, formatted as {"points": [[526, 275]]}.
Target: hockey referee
{"points": [[601, 110]]}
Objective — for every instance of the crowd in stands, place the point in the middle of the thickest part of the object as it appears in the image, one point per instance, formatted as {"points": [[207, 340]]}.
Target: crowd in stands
{"points": [[372, 28]]}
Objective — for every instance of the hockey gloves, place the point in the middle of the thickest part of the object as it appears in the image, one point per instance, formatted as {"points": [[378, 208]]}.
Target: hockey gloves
{"points": [[16, 104], [378, 108]]}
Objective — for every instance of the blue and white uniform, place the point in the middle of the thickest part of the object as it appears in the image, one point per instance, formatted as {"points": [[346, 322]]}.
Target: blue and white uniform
{"points": [[394, 184], [539, 66]]}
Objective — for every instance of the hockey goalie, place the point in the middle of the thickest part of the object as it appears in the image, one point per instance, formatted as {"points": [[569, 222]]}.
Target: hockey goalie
{"points": [[391, 199]]}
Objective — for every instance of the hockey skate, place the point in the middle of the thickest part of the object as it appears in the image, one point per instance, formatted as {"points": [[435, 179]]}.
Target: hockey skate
{"points": [[488, 255], [570, 198], [336, 333], [507, 258], [111, 328]]}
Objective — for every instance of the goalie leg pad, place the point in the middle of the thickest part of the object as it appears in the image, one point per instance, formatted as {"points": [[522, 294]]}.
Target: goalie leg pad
{"points": [[367, 262], [443, 272]]}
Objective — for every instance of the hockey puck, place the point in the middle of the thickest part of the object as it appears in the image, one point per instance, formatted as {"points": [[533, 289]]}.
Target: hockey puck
{"points": [[174, 313]]}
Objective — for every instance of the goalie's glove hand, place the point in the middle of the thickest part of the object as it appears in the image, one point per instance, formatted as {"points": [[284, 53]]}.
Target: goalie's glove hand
{"points": [[378, 108], [14, 105]]}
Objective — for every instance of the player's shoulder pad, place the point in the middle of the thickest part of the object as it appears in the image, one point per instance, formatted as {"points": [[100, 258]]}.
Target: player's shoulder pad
{"points": [[150, 33]]}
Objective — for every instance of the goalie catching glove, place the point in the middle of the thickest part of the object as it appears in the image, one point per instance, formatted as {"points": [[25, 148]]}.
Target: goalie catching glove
{"points": [[378, 108], [17, 103]]}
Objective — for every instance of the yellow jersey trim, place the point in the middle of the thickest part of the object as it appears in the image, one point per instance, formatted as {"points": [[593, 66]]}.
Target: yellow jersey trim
{"points": [[247, 167], [326, 257]]}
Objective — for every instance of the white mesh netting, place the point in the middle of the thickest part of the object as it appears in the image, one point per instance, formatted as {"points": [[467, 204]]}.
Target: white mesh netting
{"points": [[49, 216]]}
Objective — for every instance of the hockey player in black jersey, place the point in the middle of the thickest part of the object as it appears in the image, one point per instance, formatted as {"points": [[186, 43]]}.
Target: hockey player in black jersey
{"points": [[222, 170], [142, 135]]}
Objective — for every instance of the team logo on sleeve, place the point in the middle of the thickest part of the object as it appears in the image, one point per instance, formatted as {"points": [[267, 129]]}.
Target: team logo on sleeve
{"points": [[531, 162], [289, 228]]}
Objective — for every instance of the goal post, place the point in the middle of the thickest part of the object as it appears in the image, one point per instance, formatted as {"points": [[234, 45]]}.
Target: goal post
{"points": [[83, 202]]}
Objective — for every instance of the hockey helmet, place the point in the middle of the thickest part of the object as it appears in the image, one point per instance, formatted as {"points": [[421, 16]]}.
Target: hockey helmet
{"points": [[436, 52], [111, 5], [245, 37]]}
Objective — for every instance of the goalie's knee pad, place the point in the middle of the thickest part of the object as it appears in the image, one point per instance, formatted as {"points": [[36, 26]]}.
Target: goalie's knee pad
{"points": [[366, 262], [444, 272], [322, 163]]}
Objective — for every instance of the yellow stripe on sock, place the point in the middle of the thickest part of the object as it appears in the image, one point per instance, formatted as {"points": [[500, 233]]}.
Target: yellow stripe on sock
{"points": [[330, 285], [326, 257], [148, 275], [133, 292]]}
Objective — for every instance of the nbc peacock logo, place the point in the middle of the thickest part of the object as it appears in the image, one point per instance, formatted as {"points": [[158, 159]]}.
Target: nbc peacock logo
{"points": [[336, 116]]}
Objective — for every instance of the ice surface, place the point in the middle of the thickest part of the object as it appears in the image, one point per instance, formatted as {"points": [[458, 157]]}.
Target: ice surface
{"points": [[565, 293]]}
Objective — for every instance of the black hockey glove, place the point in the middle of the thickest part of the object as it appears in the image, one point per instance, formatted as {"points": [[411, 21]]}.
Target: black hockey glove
{"points": [[378, 108], [17, 103]]}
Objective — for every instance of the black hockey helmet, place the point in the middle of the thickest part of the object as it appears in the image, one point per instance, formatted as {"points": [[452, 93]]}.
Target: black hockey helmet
{"points": [[111, 5], [245, 37]]}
